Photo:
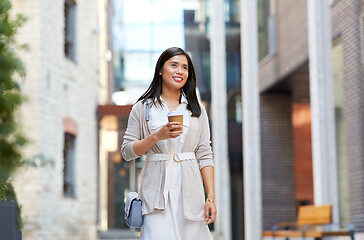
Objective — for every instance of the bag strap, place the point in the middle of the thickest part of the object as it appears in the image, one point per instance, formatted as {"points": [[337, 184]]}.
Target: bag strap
{"points": [[141, 179], [143, 170], [133, 186]]}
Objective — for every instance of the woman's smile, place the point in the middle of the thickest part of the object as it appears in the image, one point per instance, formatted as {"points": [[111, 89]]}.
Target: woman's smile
{"points": [[178, 79]]}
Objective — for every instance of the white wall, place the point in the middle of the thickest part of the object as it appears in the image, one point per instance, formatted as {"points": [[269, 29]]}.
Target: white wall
{"points": [[58, 88]]}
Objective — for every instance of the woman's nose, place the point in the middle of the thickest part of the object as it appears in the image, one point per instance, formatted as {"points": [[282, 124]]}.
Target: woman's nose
{"points": [[179, 70]]}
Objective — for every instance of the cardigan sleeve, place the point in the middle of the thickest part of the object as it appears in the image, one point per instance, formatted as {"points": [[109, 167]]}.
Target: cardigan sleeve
{"points": [[204, 151], [132, 135]]}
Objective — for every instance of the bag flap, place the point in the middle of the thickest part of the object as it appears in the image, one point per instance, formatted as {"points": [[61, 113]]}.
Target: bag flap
{"points": [[129, 199]]}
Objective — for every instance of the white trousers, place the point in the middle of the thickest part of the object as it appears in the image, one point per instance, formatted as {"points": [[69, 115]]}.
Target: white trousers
{"points": [[170, 224]]}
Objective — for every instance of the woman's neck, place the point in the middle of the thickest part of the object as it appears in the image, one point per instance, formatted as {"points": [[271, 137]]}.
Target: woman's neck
{"points": [[171, 99]]}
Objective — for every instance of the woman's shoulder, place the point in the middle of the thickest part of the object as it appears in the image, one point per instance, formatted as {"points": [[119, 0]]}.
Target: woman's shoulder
{"points": [[137, 108], [203, 108], [140, 104]]}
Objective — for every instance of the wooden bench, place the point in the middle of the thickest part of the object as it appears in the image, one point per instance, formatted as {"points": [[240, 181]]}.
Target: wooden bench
{"points": [[310, 223]]}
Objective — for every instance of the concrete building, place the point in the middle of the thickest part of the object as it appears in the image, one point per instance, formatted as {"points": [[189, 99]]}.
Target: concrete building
{"points": [[65, 67]]}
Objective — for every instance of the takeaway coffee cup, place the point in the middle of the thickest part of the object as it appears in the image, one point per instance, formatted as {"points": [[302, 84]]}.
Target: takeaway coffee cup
{"points": [[176, 117]]}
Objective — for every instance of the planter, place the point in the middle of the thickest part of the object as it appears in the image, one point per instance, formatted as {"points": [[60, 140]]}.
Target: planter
{"points": [[8, 221], [18, 235]]}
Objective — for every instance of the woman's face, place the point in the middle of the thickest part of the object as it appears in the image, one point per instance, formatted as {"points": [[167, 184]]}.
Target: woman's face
{"points": [[175, 72]]}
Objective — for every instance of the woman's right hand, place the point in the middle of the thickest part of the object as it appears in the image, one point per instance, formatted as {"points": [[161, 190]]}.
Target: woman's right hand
{"points": [[142, 146], [166, 131]]}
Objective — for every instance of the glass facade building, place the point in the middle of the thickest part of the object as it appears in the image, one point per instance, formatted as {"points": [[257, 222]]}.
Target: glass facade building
{"points": [[141, 30]]}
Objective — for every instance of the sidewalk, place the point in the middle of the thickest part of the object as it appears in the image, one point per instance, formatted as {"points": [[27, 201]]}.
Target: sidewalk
{"points": [[119, 235]]}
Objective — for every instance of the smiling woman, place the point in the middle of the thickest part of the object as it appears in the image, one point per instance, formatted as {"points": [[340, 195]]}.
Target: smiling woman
{"points": [[178, 162]]}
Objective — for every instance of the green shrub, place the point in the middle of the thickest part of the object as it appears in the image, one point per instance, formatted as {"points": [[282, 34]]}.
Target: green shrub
{"points": [[11, 139]]}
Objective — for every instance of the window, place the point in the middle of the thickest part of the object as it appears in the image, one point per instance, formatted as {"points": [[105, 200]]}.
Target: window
{"points": [[263, 13], [339, 99], [69, 29], [266, 28], [68, 165]]}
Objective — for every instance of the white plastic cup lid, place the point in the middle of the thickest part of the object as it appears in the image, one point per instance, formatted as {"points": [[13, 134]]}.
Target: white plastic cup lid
{"points": [[174, 113]]}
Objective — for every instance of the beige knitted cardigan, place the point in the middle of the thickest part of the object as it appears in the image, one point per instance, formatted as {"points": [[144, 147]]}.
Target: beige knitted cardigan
{"points": [[197, 140]]}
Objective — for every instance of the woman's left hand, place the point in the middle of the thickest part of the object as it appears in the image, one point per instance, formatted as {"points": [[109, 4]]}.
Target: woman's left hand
{"points": [[210, 212]]}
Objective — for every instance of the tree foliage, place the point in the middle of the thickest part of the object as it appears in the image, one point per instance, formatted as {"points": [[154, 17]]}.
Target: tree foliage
{"points": [[11, 139]]}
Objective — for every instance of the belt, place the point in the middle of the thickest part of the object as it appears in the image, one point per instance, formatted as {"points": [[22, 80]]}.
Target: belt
{"points": [[178, 157]]}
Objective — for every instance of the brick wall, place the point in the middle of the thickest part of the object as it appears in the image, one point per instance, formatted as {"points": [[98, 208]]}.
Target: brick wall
{"points": [[345, 24], [28, 186], [59, 88], [278, 182], [292, 42], [292, 30]]}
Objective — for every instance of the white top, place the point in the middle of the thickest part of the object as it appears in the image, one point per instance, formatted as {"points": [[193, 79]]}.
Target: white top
{"points": [[158, 117]]}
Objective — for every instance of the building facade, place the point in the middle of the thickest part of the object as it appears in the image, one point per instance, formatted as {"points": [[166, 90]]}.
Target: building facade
{"points": [[287, 139], [288, 145], [65, 67], [76, 180]]}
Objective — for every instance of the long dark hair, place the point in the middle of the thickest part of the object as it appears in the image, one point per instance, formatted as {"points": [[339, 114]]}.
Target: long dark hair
{"points": [[188, 90]]}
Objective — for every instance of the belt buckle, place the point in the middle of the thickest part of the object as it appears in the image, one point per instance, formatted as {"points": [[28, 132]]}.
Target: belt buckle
{"points": [[174, 158]]}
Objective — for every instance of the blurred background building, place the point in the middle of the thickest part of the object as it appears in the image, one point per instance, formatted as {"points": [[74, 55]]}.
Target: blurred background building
{"points": [[65, 69], [286, 116], [88, 62]]}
